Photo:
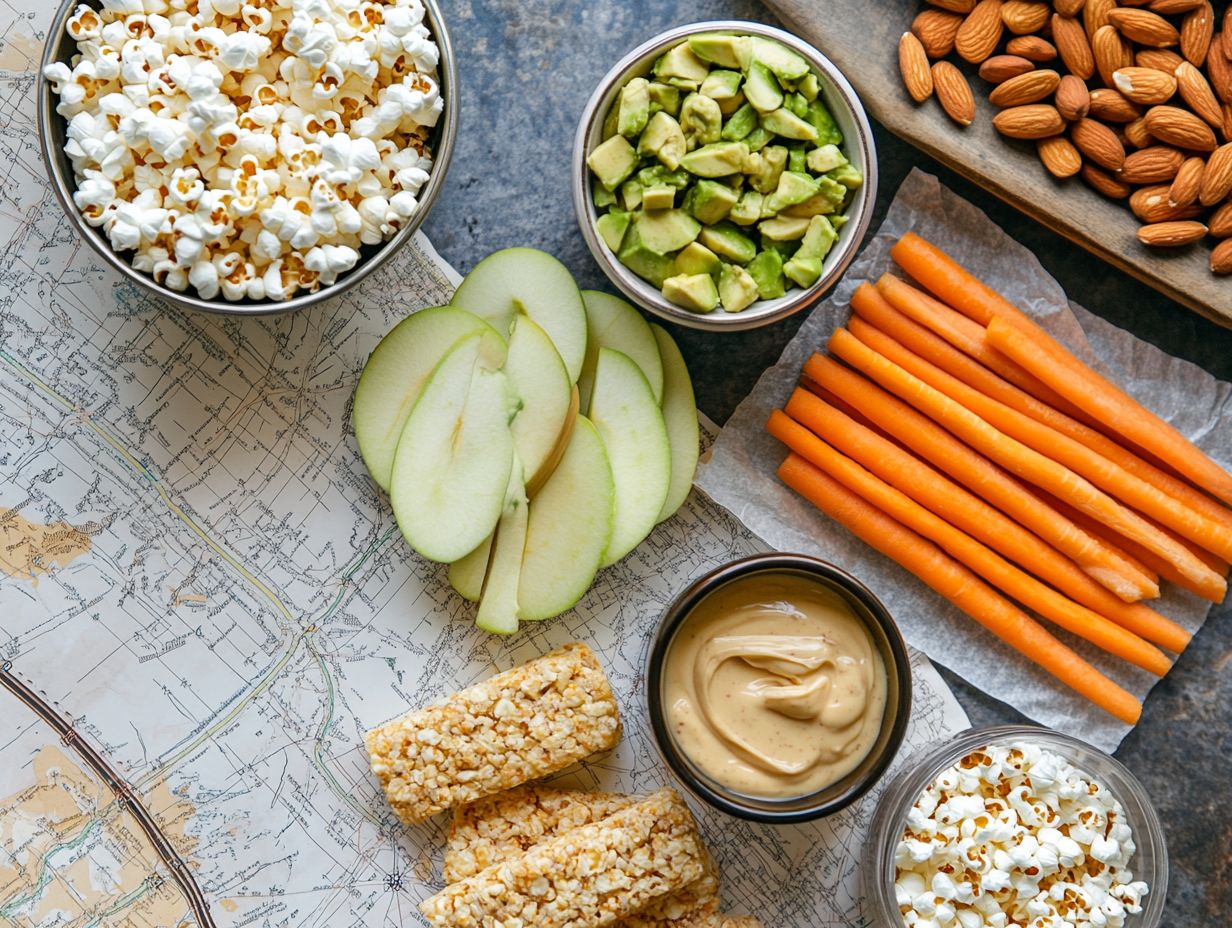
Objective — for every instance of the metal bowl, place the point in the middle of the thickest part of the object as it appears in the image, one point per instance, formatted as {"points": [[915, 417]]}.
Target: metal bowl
{"points": [[840, 98], [52, 128]]}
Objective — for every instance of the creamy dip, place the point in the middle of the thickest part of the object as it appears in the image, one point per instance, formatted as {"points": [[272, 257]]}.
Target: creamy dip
{"points": [[774, 687]]}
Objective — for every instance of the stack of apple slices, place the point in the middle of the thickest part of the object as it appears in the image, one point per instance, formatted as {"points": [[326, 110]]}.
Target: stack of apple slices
{"points": [[528, 434]]}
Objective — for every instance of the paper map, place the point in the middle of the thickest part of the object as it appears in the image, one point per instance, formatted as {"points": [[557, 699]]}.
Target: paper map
{"points": [[204, 602]]}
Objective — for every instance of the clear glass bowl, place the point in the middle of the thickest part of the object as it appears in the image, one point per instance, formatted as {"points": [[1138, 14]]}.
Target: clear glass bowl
{"points": [[1149, 863]]}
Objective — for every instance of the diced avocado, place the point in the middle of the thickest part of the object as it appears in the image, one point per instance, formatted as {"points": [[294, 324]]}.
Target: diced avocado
{"points": [[767, 272], [780, 59], [792, 188], [634, 107], [602, 196], [737, 288], [758, 139], [664, 97], [796, 104], [797, 159], [784, 228], [784, 249], [772, 163], [747, 209], [657, 175], [701, 119], [740, 123], [658, 198], [612, 161], [803, 270], [809, 86], [825, 158], [664, 139], [846, 174], [727, 241], [787, 124], [839, 221], [821, 120], [682, 83], [717, 159], [709, 201], [612, 226], [680, 62], [722, 85], [829, 198], [761, 89], [730, 105], [696, 258], [611, 121], [819, 238], [641, 260], [726, 51], [666, 230], [692, 291], [631, 194]]}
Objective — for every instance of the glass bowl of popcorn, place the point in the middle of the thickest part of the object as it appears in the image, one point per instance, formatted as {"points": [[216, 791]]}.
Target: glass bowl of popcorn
{"points": [[1015, 826], [247, 156]]}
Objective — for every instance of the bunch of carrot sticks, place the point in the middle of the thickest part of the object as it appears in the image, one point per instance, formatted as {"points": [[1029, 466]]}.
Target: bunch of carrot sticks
{"points": [[954, 435]]}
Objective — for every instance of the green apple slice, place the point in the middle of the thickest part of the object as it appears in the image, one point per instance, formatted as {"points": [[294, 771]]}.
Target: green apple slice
{"points": [[624, 411], [498, 606], [538, 378], [396, 372], [570, 524], [539, 478], [613, 323], [680, 417], [527, 282], [466, 575], [452, 465]]}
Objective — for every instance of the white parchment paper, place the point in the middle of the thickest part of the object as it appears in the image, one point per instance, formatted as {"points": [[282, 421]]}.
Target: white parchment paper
{"points": [[740, 473]]}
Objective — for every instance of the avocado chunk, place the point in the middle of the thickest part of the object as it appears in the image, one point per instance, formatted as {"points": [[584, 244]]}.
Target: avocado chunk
{"points": [[767, 272], [681, 64], [717, 159], [787, 124], [819, 238], [780, 59], [796, 103], [658, 198], [737, 288], [761, 89], [758, 139], [634, 107], [692, 291], [793, 188], [731, 104], [828, 199], [722, 85], [809, 86], [602, 196], [768, 168], [803, 270], [643, 261], [726, 51], [612, 161], [797, 159], [701, 119], [668, 230], [631, 194], [709, 201], [821, 120], [658, 175], [740, 123], [664, 139], [664, 98], [784, 228], [784, 249], [612, 226], [846, 174], [611, 120], [825, 158], [747, 209], [696, 258], [726, 240]]}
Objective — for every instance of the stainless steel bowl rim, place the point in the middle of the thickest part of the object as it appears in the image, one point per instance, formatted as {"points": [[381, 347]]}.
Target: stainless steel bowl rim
{"points": [[763, 312], [60, 173]]}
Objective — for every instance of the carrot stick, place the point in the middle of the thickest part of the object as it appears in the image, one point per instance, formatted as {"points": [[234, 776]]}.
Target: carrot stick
{"points": [[1075, 455], [868, 302], [1018, 337], [966, 511], [958, 585], [962, 547], [936, 445], [1015, 456]]}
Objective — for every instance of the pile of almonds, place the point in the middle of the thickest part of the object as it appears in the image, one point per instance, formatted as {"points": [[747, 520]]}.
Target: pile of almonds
{"points": [[1135, 96]]}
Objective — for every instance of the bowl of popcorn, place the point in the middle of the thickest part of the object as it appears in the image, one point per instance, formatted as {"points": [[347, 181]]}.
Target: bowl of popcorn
{"points": [[247, 156], [1015, 826]]}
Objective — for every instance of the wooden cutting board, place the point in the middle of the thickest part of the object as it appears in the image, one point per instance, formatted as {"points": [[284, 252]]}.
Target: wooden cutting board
{"points": [[861, 37]]}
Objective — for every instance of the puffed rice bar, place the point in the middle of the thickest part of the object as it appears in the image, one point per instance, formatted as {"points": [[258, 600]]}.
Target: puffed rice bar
{"points": [[523, 724], [587, 877]]}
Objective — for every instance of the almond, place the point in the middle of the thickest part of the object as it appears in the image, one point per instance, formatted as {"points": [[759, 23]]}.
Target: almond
{"points": [[1150, 204], [1196, 30], [913, 65], [1171, 7], [1221, 257], [1175, 126], [1144, 85], [1104, 183], [953, 93], [1059, 156], [1025, 88], [936, 30], [1137, 133], [1108, 104], [1220, 222], [1216, 176], [1073, 99], [1072, 45], [980, 32], [1111, 53], [1070, 8], [956, 6], [1031, 47], [1171, 234], [1099, 143], [1144, 27], [1095, 15], [1154, 165], [1219, 69], [1000, 68], [1227, 33], [1022, 17], [1184, 188], [1034, 121], [1227, 121], [1197, 94], [1161, 59]]}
